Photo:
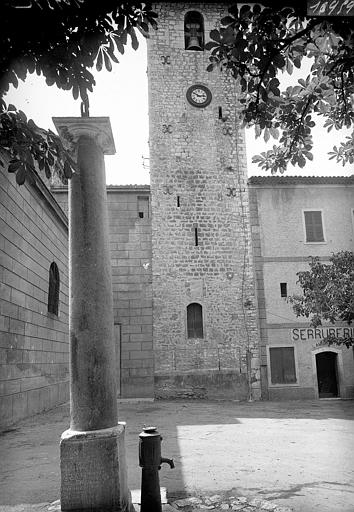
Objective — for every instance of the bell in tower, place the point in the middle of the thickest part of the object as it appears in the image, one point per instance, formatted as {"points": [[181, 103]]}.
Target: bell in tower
{"points": [[194, 31]]}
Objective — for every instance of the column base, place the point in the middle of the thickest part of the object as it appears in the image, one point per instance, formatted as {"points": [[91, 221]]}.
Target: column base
{"points": [[93, 471]]}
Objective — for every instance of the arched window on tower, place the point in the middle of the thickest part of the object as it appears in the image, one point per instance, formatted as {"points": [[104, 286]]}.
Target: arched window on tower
{"points": [[53, 290], [194, 31], [195, 320]]}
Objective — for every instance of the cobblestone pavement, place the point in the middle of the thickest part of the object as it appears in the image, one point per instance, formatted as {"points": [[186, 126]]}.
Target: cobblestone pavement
{"points": [[219, 502], [254, 456], [214, 503]]}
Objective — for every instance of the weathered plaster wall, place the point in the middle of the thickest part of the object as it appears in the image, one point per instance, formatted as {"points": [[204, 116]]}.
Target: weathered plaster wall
{"points": [[33, 343], [281, 213], [280, 252]]}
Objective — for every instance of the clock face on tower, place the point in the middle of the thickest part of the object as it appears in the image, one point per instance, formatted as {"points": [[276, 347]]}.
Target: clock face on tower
{"points": [[199, 95]]}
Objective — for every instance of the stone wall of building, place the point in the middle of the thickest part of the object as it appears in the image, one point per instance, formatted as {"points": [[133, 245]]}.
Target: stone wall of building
{"points": [[129, 214], [129, 217], [33, 342], [201, 240]]}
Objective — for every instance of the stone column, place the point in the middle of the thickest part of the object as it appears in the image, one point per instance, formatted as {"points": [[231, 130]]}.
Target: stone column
{"points": [[93, 470]]}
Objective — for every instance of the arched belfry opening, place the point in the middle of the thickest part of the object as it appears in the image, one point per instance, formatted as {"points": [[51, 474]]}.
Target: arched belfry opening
{"points": [[327, 374], [194, 31]]}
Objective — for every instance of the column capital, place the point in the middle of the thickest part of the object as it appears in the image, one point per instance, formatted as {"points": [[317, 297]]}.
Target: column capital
{"points": [[70, 129]]}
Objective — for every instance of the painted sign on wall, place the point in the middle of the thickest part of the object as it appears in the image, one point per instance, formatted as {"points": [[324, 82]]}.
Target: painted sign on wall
{"points": [[309, 333], [330, 7]]}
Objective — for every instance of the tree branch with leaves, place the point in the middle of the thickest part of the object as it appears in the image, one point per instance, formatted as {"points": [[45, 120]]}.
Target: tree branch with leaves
{"points": [[62, 40], [327, 294], [255, 44]]}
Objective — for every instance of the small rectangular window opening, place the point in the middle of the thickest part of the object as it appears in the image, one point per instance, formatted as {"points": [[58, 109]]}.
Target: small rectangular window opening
{"points": [[178, 203], [143, 207], [283, 290], [196, 236], [220, 112]]}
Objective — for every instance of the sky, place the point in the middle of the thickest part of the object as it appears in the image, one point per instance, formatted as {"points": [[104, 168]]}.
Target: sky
{"points": [[123, 96]]}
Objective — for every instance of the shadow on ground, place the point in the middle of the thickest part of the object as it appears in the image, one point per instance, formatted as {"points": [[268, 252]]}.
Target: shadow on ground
{"points": [[292, 452]]}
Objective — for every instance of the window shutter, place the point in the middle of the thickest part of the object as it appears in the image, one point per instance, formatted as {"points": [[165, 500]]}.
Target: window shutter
{"points": [[282, 365], [313, 226]]}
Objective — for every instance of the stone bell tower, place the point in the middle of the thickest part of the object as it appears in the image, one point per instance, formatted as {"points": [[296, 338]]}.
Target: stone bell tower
{"points": [[204, 305]]}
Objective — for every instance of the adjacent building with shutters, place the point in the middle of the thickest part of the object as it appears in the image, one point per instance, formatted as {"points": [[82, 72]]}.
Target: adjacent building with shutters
{"points": [[293, 218]]}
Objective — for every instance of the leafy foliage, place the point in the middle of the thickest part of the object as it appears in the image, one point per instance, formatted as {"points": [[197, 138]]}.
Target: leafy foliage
{"points": [[63, 40], [255, 44], [29, 148], [327, 293]]}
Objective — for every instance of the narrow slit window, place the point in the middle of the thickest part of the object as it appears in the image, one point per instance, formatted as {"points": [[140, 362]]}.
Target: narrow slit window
{"points": [[178, 202], [196, 237], [283, 290], [220, 112], [143, 207], [195, 320], [53, 289]]}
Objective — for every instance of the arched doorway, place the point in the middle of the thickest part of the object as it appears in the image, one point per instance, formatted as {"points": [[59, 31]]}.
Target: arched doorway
{"points": [[327, 374]]}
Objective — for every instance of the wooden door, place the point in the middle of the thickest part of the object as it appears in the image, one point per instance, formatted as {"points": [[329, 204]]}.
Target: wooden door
{"points": [[326, 364]]}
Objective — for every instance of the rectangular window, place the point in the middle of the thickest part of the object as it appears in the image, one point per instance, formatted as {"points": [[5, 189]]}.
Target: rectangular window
{"points": [[143, 207], [313, 226], [283, 290], [282, 365], [194, 320]]}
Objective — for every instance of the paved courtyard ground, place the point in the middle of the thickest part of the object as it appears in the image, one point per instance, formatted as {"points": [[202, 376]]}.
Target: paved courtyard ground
{"points": [[295, 454]]}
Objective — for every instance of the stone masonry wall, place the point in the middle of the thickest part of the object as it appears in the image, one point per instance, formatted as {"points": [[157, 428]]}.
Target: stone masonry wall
{"points": [[198, 180], [261, 298], [129, 217], [33, 343], [130, 242]]}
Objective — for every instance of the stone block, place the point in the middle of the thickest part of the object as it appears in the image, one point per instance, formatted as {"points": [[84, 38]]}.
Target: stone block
{"points": [[33, 401], [14, 356], [54, 394], [44, 398], [10, 387], [8, 309], [134, 386], [63, 390], [93, 471], [6, 410], [137, 363], [19, 408]]}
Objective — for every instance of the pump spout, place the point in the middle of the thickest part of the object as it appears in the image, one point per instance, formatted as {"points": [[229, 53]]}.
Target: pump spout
{"points": [[167, 461]]}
